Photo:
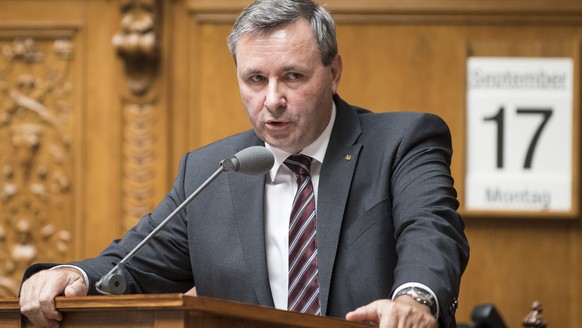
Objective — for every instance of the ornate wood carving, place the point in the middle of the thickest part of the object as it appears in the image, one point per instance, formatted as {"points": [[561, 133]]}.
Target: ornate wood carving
{"points": [[137, 45], [138, 161], [35, 155], [534, 319]]}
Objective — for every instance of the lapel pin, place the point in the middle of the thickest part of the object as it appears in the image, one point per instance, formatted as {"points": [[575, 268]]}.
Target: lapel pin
{"points": [[348, 157]]}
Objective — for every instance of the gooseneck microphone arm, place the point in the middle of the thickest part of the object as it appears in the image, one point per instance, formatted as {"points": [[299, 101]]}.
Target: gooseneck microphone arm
{"points": [[250, 161], [114, 281]]}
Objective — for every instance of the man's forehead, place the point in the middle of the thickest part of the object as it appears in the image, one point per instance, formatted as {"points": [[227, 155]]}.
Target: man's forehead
{"points": [[291, 45], [300, 27]]}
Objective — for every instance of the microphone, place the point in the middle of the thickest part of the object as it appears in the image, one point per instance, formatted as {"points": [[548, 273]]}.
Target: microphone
{"points": [[253, 161]]}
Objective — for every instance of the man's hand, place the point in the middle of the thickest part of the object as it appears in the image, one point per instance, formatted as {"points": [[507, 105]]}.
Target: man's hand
{"points": [[37, 295], [192, 292], [404, 311]]}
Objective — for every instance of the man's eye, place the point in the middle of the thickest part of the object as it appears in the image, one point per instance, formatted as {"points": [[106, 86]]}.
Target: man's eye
{"points": [[257, 78], [294, 76]]}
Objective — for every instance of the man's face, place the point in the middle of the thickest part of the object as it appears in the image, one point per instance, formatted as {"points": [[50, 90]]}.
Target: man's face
{"points": [[285, 88]]}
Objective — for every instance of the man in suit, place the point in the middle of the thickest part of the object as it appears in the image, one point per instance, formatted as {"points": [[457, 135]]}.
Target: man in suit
{"points": [[389, 244]]}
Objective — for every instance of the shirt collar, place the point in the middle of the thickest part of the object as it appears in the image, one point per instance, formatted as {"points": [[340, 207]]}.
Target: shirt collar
{"points": [[316, 150]]}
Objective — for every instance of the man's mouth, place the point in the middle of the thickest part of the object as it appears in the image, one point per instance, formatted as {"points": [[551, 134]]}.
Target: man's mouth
{"points": [[276, 125]]}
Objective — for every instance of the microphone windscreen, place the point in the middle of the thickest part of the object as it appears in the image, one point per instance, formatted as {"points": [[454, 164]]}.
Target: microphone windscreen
{"points": [[256, 160]]}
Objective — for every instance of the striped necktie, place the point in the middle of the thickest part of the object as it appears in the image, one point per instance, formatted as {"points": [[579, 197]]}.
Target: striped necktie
{"points": [[303, 292]]}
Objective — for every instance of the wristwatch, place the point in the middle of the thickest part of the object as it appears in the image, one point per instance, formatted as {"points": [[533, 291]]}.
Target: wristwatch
{"points": [[420, 295]]}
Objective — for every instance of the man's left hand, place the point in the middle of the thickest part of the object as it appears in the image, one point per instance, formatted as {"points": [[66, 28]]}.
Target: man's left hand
{"points": [[404, 311]]}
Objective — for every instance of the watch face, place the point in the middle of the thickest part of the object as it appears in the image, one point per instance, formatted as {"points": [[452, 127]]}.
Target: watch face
{"points": [[421, 294]]}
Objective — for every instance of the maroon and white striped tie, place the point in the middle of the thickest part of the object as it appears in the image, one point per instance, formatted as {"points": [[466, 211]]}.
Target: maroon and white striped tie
{"points": [[303, 292]]}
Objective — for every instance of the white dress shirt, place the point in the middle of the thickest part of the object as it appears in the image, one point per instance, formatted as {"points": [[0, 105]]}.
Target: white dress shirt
{"points": [[280, 189]]}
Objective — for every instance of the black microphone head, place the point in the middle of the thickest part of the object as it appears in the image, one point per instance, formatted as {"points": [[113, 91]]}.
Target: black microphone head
{"points": [[256, 160]]}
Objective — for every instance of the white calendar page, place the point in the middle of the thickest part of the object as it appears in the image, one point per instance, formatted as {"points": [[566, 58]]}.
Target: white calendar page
{"points": [[519, 134]]}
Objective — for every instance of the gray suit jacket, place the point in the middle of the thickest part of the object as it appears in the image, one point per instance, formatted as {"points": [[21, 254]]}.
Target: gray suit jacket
{"points": [[386, 215]]}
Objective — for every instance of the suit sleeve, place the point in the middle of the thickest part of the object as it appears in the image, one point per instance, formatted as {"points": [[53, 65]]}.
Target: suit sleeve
{"points": [[160, 266], [431, 246]]}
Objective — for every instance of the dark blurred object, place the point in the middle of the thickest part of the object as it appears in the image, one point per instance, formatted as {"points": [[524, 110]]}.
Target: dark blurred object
{"points": [[535, 319], [485, 316]]}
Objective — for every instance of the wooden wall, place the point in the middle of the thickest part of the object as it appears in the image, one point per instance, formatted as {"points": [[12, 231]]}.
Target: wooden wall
{"points": [[91, 130], [83, 131]]}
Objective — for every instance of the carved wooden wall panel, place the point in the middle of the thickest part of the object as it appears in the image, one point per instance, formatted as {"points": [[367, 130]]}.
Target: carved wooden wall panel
{"points": [[82, 127], [37, 112], [137, 43]]}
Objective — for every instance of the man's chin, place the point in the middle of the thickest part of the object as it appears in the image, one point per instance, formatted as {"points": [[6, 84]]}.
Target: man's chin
{"points": [[285, 145]]}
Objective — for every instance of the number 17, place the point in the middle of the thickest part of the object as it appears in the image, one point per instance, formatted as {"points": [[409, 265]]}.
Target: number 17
{"points": [[499, 119]]}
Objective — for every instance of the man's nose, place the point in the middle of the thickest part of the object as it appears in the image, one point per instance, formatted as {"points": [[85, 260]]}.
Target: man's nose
{"points": [[275, 98]]}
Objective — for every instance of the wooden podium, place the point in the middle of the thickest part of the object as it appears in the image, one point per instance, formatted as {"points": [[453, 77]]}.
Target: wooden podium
{"points": [[167, 311]]}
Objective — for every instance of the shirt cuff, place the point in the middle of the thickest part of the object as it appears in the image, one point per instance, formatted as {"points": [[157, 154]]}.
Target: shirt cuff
{"points": [[78, 269], [423, 286]]}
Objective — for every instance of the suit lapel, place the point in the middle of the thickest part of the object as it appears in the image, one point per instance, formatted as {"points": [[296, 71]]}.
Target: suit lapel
{"points": [[247, 198], [335, 179]]}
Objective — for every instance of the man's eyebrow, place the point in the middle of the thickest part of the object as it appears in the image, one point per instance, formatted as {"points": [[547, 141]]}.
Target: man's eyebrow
{"points": [[293, 68], [290, 68], [251, 71]]}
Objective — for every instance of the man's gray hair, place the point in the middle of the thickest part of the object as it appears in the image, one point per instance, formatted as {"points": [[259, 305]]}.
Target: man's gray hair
{"points": [[264, 16]]}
